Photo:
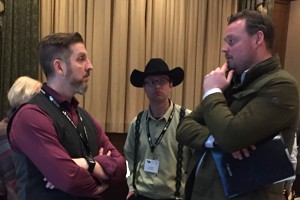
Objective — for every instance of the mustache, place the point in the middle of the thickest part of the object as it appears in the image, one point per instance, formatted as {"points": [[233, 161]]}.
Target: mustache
{"points": [[227, 56], [87, 75]]}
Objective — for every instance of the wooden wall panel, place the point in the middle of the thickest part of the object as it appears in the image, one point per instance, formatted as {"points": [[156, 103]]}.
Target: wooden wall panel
{"points": [[280, 20]]}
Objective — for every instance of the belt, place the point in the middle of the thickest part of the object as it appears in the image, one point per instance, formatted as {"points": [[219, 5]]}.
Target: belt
{"points": [[140, 197]]}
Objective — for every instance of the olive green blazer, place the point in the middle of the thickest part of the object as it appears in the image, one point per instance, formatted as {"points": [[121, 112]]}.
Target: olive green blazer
{"points": [[265, 104]]}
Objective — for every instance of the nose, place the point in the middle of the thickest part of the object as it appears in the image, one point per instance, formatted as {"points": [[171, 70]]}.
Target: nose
{"points": [[89, 65], [225, 48], [156, 84]]}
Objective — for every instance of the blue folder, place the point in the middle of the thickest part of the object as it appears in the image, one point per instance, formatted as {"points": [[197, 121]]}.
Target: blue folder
{"points": [[269, 163]]}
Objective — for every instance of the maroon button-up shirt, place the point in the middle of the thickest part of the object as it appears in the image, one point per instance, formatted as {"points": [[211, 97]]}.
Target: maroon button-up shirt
{"points": [[33, 134]]}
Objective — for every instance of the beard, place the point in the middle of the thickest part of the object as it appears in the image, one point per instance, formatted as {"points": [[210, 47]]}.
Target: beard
{"points": [[80, 88], [77, 86]]}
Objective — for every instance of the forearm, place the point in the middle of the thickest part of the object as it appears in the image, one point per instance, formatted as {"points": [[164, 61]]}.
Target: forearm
{"points": [[98, 171], [113, 167], [112, 162], [191, 131], [245, 124]]}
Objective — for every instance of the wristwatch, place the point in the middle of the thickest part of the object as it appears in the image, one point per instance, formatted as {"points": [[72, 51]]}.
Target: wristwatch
{"points": [[91, 162]]}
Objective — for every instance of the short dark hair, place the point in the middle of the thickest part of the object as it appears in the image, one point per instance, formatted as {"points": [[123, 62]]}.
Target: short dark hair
{"points": [[256, 21], [56, 46]]}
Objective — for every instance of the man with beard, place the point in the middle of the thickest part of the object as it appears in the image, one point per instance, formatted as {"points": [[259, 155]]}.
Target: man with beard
{"points": [[60, 151], [246, 101]]}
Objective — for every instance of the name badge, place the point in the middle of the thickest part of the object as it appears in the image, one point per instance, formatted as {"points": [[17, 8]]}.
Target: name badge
{"points": [[151, 166]]}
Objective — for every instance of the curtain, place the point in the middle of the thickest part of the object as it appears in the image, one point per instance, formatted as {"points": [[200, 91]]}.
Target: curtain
{"points": [[19, 36], [122, 35]]}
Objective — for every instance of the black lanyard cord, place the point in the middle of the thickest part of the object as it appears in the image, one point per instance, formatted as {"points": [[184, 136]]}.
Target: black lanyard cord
{"points": [[153, 146], [80, 126]]}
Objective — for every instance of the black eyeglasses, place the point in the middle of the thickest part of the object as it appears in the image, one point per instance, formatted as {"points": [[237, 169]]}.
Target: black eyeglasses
{"points": [[153, 82]]}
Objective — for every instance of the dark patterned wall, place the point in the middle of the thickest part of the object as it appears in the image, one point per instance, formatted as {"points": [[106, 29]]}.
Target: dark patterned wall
{"points": [[19, 39]]}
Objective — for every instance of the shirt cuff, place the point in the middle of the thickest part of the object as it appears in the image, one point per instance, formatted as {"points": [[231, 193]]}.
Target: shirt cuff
{"points": [[211, 91], [209, 143]]}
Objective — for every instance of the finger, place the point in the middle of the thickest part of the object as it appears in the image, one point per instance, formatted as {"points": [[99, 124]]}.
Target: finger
{"points": [[212, 72], [108, 153], [252, 147], [246, 152], [48, 185], [237, 155], [224, 67], [229, 76], [129, 194], [103, 187], [106, 186], [101, 151], [234, 155]]}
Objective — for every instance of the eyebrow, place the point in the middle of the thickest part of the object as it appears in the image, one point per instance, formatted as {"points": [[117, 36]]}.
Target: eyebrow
{"points": [[228, 36], [157, 78]]}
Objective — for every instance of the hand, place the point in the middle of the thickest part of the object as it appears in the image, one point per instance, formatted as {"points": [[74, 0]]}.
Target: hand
{"points": [[101, 189], [129, 195], [81, 162], [217, 78], [49, 184], [244, 153], [101, 152]]}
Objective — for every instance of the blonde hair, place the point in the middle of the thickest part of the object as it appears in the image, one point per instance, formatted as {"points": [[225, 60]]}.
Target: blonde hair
{"points": [[22, 90]]}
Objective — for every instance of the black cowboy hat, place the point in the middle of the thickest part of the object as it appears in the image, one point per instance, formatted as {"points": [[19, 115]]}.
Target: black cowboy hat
{"points": [[156, 66]]}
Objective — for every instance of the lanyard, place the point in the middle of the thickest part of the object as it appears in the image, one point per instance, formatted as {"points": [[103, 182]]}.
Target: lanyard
{"points": [[80, 126], [153, 146]]}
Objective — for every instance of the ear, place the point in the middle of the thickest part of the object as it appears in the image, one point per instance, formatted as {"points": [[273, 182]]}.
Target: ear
{"points": [[259, 36], [59, 66]]}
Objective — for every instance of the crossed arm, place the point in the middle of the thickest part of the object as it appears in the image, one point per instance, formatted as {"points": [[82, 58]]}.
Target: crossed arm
{"points": [[98, 172]]}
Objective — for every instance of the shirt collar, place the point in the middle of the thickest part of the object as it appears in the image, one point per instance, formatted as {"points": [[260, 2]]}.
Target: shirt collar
{"points": [[165, 116], [60, 99], [243, 75], [261, 68]]}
